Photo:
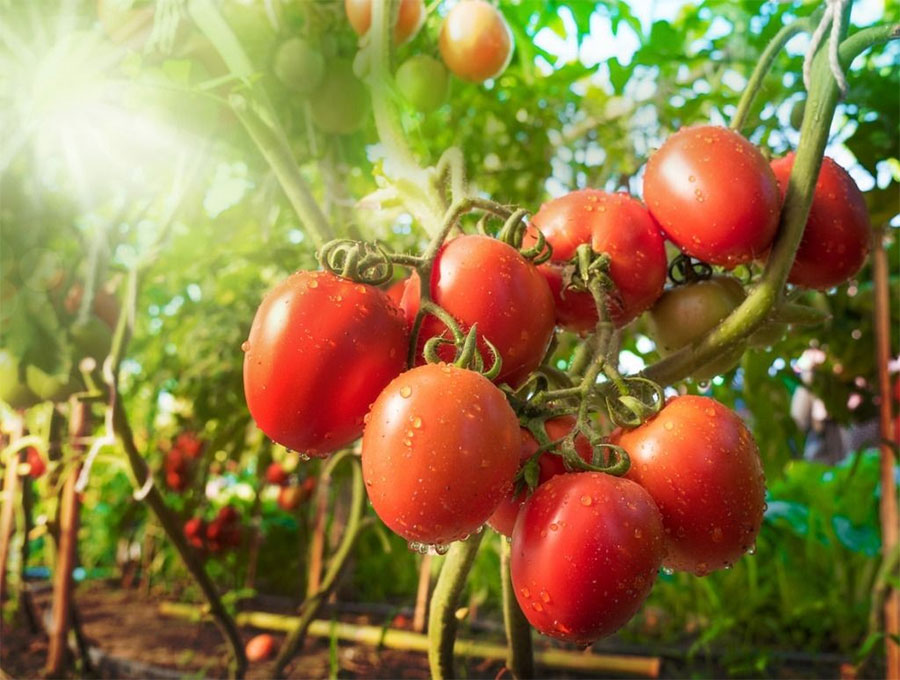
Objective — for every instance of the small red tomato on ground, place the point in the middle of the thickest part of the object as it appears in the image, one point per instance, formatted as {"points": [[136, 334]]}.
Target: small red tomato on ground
{"points": [[700, 464], [714, 195], [276, 475], [478, 279], [837, 235], [476, 42], [439, 453], [550, 465], [260, 648], [36, 464], [586, 549], [615, 224], [410, 17], [321, 349], [195, 531]]}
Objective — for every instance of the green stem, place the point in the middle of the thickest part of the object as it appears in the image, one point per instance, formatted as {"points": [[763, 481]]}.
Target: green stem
{"points": [[336, 564], [279, 156], [519, 654], [442, 620], [762, 68], [820, 107]]}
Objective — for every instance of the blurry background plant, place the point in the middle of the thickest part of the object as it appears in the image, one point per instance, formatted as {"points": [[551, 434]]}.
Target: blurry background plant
{"points": [[118, 129]]}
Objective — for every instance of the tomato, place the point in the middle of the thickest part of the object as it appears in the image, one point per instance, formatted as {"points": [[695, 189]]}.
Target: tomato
{"points": [[275, 474], [224, 531], [686, 313], [298, 65], [340, 105], [92, 339], [189, 444], [617, 225], [177, 469], [439, 453], [13, 389], [701, 466], [320, 350], [395, 291], [714, 195], [586, 549], [423, 82], [550, 465], [36, 464], [410, 18], [837, 235], [195, 532], [479, 279], [292, 497], [260, 648], [476, 42], [56, 387]]}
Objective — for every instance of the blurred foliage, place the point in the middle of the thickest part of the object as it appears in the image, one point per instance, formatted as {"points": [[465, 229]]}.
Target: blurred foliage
{"points": [[121, 140]]}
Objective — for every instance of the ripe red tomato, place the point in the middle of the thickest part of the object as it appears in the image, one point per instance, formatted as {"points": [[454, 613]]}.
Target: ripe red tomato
{"points": [[410, 18], [195, 532], [177, 470], [701, 466], [36, 464], [475, 42], [685, 313], [260, 648], [837, 235], [321, 348], [714, 195], [479, 279], [439, 453], [275, 474], [550, 464], [189, 444], [586, 549], [224, 531], [395, 291], [616, 224]]}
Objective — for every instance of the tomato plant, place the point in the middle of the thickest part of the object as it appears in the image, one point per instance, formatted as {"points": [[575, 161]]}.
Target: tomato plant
{"points": [[481, 280], [476, 42], [410, 17], [838, 232], [320, 350], [439, 453], [586, 549], [714, 195], [700, 464], [614, 224], [340, 105], [424, 82]]}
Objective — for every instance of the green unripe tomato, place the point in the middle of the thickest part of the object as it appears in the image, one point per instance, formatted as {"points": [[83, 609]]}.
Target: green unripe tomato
{"points": [[686, 313], [12, 390], [50, 387], [341, 104], [424, 82], [797, 111], [92, 339], [299, 66]]}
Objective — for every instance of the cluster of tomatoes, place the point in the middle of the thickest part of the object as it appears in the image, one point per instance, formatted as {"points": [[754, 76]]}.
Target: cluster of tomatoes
{"points": [[326, 362], [291, 495], [179, 460], [221, 533]]}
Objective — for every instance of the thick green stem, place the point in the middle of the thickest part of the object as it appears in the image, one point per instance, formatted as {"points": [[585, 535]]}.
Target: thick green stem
{"points": [[338, 561], [442, 620], [519, 654], [820, 106]]}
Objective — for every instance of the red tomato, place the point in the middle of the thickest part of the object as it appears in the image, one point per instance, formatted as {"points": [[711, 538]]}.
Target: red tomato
{"points": [[195, 531], [586, 549], [714, 195], [550, 464], [275, 474], [395, 291], [291, 497], [837, 235], [189, 444], [410, 18], [260, 648], [479, 279], [475, 42], [701, 466], [36, 464], [439, 453], [321, 348], [616, 224], [177, 470]]}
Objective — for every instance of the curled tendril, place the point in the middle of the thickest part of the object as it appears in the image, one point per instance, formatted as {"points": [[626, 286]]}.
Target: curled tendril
{"points": [[633, 401], [610, 458], [481, 226], [685, 269], [540, 252], [358, 261], [467, 354]]}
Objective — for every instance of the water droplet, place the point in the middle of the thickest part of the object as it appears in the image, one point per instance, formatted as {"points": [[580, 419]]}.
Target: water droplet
{"points": [[417, 422], [405, 391], [668, 571], [586, 500], [304, 456], [441, 549], [545, 596], [638, 533], [312, 284], [669, 425], [245, 346], [537, 606], [525, 592], [554, 526]]}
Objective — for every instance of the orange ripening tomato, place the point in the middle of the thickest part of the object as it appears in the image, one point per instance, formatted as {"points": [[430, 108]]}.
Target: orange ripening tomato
{"points": [[476, 42], [410, 18]]}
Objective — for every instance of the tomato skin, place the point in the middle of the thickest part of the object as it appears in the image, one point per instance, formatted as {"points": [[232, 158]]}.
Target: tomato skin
{"points": [[298, 65], [36, 464], [714, 195], [424, 82], [260, 648], [700, 464], [586, 549], [838, 233], [320, 350], [504, 517], [439, 453], [340, 105], [195, 532], [616, 224], [479, 279], [410, 18], [395, 291], [476, 43]]}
